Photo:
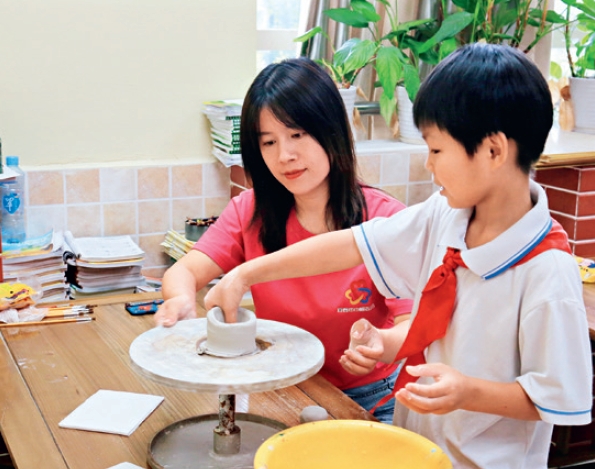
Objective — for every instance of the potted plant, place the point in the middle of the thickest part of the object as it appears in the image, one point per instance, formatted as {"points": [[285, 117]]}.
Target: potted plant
{"points": [[582, 65], [395, 56], [509, 21]]}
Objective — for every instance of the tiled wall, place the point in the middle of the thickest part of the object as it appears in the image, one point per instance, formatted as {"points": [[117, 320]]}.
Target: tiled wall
{"points": [[143, 202], [146, 201], [398, 168]]}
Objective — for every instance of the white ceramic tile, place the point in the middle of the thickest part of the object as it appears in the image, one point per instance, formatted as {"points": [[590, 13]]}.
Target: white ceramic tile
{"points": [[117, 184]]}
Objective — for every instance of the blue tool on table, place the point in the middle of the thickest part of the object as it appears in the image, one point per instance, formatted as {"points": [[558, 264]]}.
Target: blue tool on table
{"points": [[138, 308]]}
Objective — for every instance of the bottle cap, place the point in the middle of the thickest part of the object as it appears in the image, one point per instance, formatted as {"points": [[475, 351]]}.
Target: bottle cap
{"points": [[12, 161]]}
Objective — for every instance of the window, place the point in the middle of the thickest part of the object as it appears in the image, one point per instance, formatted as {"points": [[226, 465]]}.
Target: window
{"points": [[277, 24]]}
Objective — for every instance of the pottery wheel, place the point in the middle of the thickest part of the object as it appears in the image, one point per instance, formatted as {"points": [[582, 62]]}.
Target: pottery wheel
{"points": [[287, 355]]}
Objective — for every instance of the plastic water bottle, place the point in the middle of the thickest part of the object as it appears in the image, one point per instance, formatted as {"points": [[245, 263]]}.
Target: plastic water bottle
{"points": [[13, 204]]}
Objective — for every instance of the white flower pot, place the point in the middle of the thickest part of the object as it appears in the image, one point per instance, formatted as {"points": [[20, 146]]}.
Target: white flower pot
{"points": [[348, 95], [408, 133], [582, 95]]}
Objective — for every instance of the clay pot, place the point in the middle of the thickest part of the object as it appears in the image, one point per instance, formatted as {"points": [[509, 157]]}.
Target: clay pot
{"points": [[230, 339]]}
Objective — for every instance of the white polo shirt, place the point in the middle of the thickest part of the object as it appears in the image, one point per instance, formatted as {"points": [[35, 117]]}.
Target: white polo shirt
{"points": [[526, 324]]}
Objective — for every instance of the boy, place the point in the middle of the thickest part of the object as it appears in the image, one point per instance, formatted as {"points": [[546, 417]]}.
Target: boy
{"points": [[511, 357]]}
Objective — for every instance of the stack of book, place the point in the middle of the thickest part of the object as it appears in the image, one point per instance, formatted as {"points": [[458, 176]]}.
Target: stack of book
{"points": [[104, 266], [41, 265], [224, 117], [175, 244]]}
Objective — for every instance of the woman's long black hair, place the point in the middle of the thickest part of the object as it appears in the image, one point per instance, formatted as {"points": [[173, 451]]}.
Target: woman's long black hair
{"points": [[301, 95]]}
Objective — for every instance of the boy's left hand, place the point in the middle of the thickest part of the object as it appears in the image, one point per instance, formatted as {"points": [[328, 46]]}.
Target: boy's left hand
{"points": [[448, 392], [362, 359]]}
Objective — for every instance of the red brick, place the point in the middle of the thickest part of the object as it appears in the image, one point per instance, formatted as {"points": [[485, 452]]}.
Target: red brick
{"points": [[238, 176], [577, 228], [585, 229], [568, 223], [577, 178], [583, 248], [235, 190], [562, 201], [572, 203], [239, 180]]}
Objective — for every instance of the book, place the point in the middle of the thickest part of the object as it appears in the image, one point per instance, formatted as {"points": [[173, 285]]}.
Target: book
{"points": [[226, 137], [225, 108], [176, 245], [42, 266], [224, 117], [78, 294], [105, 248], [228, 159], [103, 265], [230, 150]]}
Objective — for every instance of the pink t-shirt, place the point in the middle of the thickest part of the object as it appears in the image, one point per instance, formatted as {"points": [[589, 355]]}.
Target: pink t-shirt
{"points": [[325, 305]]}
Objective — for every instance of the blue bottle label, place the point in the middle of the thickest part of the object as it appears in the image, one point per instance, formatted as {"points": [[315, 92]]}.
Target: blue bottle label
{"points": [[11, 203]]}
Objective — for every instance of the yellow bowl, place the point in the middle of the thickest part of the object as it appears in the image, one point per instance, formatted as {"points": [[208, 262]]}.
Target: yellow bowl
{"points": [[349, 444]]}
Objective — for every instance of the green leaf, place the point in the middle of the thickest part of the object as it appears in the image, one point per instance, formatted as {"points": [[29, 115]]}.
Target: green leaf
{"points": [[586, 23], [554, 17], [341, 54], [550, 16], [450, 27], [446, 48], [466, 5], [308, 34], [586, 9], [346, 16], [430, 57], [388, 106], [589, 7], [411, 81], [504, 18], [408, 42], [555, 70], [389, 66], [499, 38], [408, 26], [533, 22], [360, 55], [365, 9]]}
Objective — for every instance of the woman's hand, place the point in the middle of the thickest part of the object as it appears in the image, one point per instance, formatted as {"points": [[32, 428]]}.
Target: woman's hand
{"points": [[175, 309], [365, 349], [227, 294]]}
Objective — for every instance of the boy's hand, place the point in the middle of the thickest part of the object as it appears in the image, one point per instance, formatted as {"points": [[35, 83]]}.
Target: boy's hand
{"points": [[448, 392], [175, 309], [365, 349]]}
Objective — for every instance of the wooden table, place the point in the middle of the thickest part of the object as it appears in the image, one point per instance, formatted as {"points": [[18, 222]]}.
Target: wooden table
{"points": [[47, 371]]}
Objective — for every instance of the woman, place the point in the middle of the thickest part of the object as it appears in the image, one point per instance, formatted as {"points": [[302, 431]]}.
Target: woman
{"points": [[298, 152]]}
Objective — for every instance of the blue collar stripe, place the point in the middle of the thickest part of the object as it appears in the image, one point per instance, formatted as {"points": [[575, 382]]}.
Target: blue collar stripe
{"points": [[376, 262], [519, 255], [559, 412]]}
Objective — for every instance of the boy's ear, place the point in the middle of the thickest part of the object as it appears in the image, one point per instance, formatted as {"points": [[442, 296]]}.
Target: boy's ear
{"points": [[499, 148]]}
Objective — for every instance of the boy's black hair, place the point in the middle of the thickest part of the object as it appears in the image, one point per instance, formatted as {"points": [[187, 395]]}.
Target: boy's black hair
{"points": [[301, 95], [481, 89]]}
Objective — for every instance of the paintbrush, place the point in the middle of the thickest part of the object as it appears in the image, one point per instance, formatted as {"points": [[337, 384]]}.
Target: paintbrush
{"points": [[67, 313], [68, 306], [42, 323]]}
